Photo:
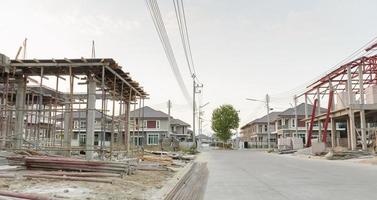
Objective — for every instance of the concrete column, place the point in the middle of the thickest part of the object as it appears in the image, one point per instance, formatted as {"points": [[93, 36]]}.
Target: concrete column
{"points": [[20, 105], [351, 113], [90, 119], [127, 128], [362, 111], [67, 123], [348, 134], [333, 132]]}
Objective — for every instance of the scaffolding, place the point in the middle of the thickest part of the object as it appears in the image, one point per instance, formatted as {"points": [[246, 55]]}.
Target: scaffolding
{"points": [[87, 111], [351, 95]]}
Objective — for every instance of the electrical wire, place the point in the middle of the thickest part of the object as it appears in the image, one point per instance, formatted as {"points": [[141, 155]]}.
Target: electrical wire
{"points": [[158, 22], [185, 38], [302, 87]]}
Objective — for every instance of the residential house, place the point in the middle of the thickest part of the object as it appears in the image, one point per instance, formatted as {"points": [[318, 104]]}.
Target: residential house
{"points": [[79, 128], [155, 127], [254, 134], [286, 124]]}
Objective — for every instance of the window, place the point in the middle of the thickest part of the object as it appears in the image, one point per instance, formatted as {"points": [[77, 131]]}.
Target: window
{"points": [[82, 124], [151, 124], [82, 139], [265, 128], [75, 124], [152, 139], [137, 140], [293, 123]]}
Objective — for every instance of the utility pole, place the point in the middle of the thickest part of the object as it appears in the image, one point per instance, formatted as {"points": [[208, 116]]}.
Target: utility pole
{"points": [[267, 103], [24, 45], [169, 118], [296, 118], [93, 50], [195, 86], [268, 121], [193, 110]]}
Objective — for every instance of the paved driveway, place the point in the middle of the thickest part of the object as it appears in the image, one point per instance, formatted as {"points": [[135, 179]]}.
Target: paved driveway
{"points": [[245, 174]]}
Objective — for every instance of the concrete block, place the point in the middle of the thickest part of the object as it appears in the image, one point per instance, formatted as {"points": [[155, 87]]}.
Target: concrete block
{"points": [[297, 143], [318, 147], [284, 143]]}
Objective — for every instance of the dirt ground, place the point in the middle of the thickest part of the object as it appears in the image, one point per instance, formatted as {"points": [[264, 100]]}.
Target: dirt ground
{"points": [[141, 185]]}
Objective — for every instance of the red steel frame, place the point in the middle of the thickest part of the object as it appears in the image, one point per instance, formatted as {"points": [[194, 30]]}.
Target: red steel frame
{"points": [[324, 132], [309, 143]]}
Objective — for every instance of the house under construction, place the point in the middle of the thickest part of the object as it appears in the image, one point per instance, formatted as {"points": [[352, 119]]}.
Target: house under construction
{"points": [[39, 117], [350, 95]]}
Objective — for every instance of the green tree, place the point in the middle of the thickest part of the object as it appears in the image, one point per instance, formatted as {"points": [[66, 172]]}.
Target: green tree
{"points": [[224, 119]]}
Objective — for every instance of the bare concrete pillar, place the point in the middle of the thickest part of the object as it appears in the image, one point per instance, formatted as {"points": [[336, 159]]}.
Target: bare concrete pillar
{"points": [[333, 132], [362, 111], [348, 134], [66, 125], [20, 105], [337, 139], [351, 113], [306, 117], [128, 140], [90, 119]]}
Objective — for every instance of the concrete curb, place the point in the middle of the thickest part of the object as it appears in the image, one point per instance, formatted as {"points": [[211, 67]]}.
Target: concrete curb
{"points": [[169, 185]]}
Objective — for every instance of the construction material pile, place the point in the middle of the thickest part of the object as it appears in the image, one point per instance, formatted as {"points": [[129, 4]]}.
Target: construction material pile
{"points": [[345, 155], [192, 185], [173, 155], [71, 164]]}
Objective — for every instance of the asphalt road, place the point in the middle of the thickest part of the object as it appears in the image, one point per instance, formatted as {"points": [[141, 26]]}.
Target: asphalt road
{"points": [[245, 174]]}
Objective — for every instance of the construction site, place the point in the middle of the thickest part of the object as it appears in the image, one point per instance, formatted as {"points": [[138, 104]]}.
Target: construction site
{"points": [[349, 94], [188, 100], [55, 141]]}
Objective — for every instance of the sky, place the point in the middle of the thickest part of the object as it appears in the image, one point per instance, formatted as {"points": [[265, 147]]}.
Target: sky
{"points": [[241, 48]]}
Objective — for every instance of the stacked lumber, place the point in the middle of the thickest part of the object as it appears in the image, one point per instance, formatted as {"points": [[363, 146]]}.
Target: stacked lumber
{"points": [[192, 185], [70, 164], [16, 160], [80, 174], [68, 178]]}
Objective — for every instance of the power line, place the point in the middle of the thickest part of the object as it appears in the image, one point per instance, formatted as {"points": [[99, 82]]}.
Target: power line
{"points": [[302, 87], [185, 38], [164, 38]]}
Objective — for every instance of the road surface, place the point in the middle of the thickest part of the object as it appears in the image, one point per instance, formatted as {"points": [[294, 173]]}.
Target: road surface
{"points": [[253, 175]]}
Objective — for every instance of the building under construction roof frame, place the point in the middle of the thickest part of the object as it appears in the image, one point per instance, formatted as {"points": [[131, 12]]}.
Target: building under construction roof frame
{"points": [[30, 113], [353, 86]]}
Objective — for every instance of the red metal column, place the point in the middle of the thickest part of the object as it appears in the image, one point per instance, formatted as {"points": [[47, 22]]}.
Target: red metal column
{"points": [[309, 143], [324, 132]]}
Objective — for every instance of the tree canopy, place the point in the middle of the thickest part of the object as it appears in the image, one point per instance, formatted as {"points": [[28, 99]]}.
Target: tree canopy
{"points": [[224, 119]]}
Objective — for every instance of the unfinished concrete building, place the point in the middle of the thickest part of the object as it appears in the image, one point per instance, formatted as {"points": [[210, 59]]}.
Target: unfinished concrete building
{"points": [[31, 107], [350, 95]]}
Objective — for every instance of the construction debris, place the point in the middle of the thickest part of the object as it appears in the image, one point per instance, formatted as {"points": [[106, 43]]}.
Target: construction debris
{"points": [[344, 155], [151, 167], [173, 155]]}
